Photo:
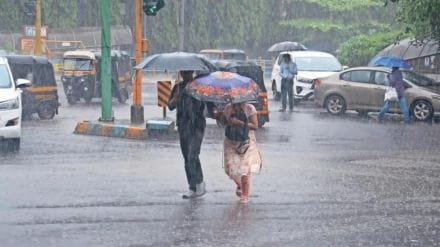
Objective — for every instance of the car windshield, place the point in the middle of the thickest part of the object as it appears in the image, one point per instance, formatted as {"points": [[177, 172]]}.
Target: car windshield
{"points": [[318, 64], [5, 78], [235, 56], [418, 79], [212, 56], [77, 64]]}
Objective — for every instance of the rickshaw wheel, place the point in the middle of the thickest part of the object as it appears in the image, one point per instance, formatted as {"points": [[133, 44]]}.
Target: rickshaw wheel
{"points": [[88, 100], [46, 111], [123, 96], [71, 100]]}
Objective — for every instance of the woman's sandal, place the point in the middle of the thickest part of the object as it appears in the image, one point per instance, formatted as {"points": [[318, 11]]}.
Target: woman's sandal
{"points": [[244, 199], [238, 191]]}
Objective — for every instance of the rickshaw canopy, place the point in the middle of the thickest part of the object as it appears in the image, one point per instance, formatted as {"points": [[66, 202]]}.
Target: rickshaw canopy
{"points": [[38, 70]]}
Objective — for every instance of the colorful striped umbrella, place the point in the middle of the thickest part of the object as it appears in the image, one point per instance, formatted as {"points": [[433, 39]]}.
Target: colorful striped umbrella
{"points": [[224, 87]]}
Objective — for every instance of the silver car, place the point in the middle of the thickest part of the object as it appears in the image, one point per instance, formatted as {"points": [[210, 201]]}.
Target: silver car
{"points": [[363, 88]]}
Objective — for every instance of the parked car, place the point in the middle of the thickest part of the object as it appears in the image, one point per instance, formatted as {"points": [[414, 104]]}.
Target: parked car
{"points": [[311, 65], [363, 88], [10, 106]]}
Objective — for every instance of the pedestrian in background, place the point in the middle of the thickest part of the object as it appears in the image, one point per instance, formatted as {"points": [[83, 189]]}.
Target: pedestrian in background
{"points": [[241, 158], [191, 125], [396, 81], [288, 71]]}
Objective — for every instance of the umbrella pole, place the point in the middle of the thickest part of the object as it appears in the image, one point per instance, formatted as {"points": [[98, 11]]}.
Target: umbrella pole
{"points": [[137, 110]]}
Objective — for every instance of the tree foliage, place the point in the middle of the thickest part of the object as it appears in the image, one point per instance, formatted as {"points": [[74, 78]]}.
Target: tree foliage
{"points": [[358, 50], [420, 18], [252, 25]]}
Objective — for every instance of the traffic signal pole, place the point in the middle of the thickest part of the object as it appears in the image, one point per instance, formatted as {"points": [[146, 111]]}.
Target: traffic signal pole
{"points": [[137, 110], [106, 82]]}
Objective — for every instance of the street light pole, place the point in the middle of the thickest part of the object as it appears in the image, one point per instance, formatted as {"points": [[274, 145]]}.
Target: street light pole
{"points": [[137, 110], [37, 40]]}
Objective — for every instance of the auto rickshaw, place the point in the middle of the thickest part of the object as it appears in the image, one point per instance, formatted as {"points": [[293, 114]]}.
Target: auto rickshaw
{"points": [[82, 73], [42, 96], [229, 54], [255, 72]]}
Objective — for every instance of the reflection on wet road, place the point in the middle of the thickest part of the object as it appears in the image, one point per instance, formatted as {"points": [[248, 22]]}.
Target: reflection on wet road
{"points": [[326, 181]]}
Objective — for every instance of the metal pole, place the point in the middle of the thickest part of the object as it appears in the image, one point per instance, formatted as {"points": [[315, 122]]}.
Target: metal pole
{"points": [[106, 72], [137, 110], [37, 41], [182, 25]]}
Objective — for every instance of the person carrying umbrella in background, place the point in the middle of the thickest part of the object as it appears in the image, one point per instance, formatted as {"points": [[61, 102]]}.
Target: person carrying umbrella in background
{"points": [[395, 79], [191, 125], [288, 71]]}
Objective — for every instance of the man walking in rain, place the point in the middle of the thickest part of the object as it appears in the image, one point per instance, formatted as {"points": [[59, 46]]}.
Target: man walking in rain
{"points": [[288, 71], [191, 125]]}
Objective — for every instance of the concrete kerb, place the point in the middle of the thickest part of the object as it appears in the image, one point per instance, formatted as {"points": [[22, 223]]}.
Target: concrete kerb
{"points": [[138, 132], [123, 129]]}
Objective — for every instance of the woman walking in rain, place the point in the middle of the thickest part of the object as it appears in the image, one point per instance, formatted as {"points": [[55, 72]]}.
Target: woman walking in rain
{"points": [[241, 158], [396, 82]]}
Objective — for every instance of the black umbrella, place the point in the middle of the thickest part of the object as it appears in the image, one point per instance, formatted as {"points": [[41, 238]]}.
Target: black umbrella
{"points": [[176, 61], [287, 46]]}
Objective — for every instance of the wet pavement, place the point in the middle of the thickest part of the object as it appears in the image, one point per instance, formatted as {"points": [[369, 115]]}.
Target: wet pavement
{"points": [[326, 181]]}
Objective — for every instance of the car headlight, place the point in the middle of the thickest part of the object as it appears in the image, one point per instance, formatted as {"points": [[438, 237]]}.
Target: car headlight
{"points": [[9, 104], [436, 97], [304, 80]]}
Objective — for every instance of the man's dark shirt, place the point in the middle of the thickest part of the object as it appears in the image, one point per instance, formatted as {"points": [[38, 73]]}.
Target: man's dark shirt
{"points": [[189, 110]]}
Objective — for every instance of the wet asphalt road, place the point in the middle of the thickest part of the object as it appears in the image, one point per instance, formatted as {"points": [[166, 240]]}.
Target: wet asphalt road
{"points": [[326, 181]]}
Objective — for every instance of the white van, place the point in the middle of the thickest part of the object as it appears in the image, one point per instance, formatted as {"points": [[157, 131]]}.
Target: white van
{"points": [[311, 65], [10, 107]]}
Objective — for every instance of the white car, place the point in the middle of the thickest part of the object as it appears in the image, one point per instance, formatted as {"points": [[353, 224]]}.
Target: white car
{"points": [[311, 65], [10, 106]]}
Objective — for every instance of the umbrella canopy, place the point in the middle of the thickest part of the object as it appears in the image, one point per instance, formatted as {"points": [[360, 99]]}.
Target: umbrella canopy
{"points": [[224, 87], [287, 46], [389, 61], [176, 61]]}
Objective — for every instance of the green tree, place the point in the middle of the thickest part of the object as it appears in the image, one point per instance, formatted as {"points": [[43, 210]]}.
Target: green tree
{"points": [[359, 50], [334, 22], [421, 18]]}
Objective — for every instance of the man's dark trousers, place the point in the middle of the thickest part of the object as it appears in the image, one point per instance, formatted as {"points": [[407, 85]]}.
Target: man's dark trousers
{"points": [[287, 90], [190, 144]]}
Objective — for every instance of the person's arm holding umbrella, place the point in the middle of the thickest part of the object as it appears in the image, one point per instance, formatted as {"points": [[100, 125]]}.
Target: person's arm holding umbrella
{"points": [[174, 97]]}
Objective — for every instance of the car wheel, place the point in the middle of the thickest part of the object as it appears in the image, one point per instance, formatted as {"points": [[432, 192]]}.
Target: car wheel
{"points": [[10, 145], [362, 113], [88, 99], [46, 111], [71, 100], [335, 104], [422, 110]]}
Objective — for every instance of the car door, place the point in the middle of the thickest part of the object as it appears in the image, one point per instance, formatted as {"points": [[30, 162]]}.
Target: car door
{"points": [[381, 83], [358, 87]]}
